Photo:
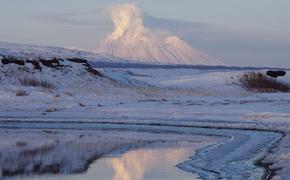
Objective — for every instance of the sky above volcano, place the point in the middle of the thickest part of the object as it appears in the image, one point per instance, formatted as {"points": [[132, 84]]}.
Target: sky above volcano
{"points": [[247, 33]]}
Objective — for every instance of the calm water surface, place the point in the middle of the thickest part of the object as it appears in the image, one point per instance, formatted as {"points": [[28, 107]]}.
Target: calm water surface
{"points": [[141, 164]]}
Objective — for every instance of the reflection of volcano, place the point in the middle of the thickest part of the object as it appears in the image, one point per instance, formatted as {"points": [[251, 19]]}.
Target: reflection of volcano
{"points": [[133, 165], [131, 40]]}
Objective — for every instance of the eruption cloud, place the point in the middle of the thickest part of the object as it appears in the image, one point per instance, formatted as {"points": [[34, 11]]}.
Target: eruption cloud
{"points": [[131, 40], [128, 21]]}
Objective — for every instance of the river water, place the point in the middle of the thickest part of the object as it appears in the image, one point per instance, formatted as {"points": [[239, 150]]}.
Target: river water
{"points": [[154, 163], [233, 158]]}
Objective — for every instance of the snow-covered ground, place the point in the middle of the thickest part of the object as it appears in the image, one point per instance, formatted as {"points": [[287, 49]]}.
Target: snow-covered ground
{"points": [[206, 97]]}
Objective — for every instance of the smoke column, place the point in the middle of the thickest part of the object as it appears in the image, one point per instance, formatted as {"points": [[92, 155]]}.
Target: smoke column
{"points": [[128, 21]]}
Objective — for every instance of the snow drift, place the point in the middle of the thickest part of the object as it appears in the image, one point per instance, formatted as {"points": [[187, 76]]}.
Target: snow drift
{"points": [[131, 40]]}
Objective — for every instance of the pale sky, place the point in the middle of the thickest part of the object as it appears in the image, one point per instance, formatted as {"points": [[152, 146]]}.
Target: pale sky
{"points": [[238, 32]]}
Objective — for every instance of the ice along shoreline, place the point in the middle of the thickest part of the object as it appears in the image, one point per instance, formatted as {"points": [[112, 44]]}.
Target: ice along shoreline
{"points": [[243, 150]]}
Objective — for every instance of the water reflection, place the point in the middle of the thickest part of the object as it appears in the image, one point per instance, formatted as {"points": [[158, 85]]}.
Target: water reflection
{"points": [[135, 164], [142, 164]]}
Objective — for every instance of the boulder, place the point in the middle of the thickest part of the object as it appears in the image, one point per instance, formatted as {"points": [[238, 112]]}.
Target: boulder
{"points": [[275, 74], [12, 60]]}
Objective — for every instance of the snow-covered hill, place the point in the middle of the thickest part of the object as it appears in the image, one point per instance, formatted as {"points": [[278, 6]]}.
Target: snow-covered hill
{"points": [[33, 51], [27, 51], [131, 40]]}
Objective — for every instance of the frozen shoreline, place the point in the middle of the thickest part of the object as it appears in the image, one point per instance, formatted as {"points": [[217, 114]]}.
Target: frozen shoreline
{"points": [[243, 147], [59, 151]]}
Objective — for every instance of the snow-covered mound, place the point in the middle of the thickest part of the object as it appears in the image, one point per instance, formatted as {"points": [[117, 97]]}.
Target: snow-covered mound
{"points": [[131, 40], [26, 51], [47, 73], [45, 52]]}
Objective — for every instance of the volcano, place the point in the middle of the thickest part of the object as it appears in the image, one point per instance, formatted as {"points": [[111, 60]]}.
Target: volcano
{"points": [[131, 40]]}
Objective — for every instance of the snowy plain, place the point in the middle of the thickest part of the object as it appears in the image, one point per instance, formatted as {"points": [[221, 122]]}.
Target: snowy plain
{"points": [[209, 98]]}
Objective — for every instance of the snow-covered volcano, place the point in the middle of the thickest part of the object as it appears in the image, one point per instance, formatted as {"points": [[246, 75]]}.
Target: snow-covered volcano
{"points": [[131, 40]]}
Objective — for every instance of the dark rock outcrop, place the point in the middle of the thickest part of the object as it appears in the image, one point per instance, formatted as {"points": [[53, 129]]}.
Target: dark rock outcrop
{"points": [[53, 63], [93, 71], [35, 64], [78, 60], [85, 63], [12, 60], [275, 74]]}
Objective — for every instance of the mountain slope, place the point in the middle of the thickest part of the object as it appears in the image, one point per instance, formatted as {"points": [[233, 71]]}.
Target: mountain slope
{"points": [[170, 50]]}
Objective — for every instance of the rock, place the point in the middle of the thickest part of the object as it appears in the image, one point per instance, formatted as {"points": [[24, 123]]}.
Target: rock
{"points": [[78, 60], [21, 93], [50, 110], [82, 105], [12, 60], [93, 71], [276, 74], [35, 64], [53, 63]]}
